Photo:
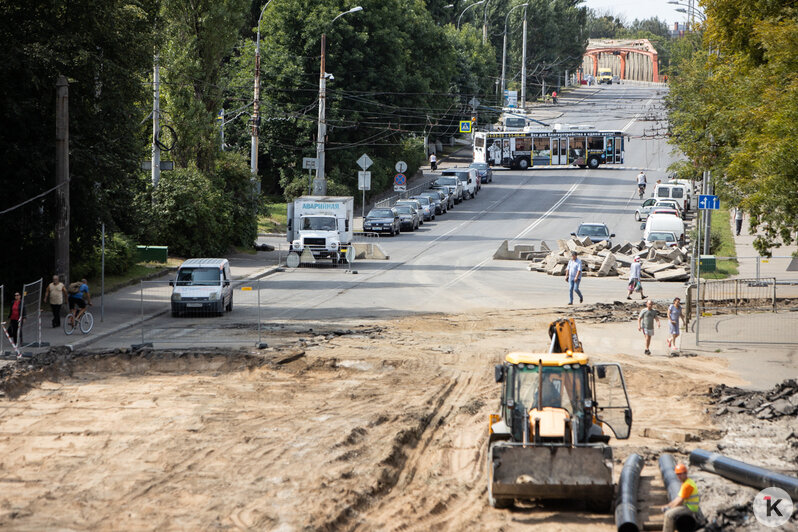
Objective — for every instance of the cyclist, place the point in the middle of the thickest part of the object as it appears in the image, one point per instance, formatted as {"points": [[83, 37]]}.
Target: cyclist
{"points": [[641, 183], [79, 297]]}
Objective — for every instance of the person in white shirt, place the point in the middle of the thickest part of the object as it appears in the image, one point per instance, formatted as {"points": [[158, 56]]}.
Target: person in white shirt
{"points": [[433, 161], [634, 279], [641, 183], [573, 275]]}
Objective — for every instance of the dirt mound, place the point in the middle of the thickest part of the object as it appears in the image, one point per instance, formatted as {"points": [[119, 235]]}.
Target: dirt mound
{"points": [[782, 400]]}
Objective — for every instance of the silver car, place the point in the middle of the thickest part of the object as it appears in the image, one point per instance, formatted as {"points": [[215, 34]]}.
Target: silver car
{"points": [[642, 212], [423, 213], [435, 197], [429, 212], [453, 185]]}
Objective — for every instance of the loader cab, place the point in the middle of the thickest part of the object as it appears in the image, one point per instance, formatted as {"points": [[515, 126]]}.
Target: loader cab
{"points": [[564, 397]]}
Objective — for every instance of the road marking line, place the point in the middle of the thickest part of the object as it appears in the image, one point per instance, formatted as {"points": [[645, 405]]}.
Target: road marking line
{"points": [[526, 230]]}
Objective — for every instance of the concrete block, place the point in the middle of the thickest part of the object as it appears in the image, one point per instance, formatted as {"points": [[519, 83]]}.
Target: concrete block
{"points": [[675, 274], [544, 246], [625, 248], [522, 249], [607, 265], [307, 257], [562, 245], [654, 268], [558, 270], [585, 241], [625, 260], [503, 253], [572, 245]]}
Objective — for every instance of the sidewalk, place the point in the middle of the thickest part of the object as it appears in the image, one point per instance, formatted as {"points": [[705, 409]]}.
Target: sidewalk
{"points": [[122, 308], [773, 267]]}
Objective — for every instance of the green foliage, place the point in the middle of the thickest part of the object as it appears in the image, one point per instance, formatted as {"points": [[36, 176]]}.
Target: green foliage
{"points": [[120, 255], [189, 215], [232, 177], [735, 113]]}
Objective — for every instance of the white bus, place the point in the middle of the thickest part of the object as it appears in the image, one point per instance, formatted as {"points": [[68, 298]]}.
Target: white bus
{"points": [[582, 147]]}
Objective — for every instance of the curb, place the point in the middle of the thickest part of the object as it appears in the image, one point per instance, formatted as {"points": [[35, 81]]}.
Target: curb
{"points": [[119, 328]]}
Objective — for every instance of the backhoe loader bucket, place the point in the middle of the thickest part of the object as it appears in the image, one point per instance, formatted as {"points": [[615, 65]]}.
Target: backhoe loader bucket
{"points": [[551, 471]]}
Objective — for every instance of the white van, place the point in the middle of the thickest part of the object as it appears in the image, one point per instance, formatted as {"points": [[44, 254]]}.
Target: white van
{"points": [[468, 177], [202, 286], [664, 223], [674, 191]]}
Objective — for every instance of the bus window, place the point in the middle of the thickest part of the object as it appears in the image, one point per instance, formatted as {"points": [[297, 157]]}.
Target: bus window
{"points": [[541, 153], [595, 143], [479, 142], [523, 144], [577, 148]]}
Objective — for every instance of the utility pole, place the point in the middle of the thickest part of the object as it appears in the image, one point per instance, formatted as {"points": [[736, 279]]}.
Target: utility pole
{"points": [[485, 24], [156, 126], [320, 182], [523, 67], [253, 154], [62, 177], [708, 214]]}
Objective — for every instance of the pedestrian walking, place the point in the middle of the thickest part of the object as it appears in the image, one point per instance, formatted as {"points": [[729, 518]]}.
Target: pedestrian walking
{"points": [[685, 503], [55, 294], [554, 96], [634, 279], [738, 219], [433, 161], [15, 318], [645, 323], [674, 314], [573, 276]]}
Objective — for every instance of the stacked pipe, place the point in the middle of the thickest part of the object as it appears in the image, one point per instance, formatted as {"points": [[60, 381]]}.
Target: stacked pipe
{"points": [[672, 485], [743, 473], [626, 510]]}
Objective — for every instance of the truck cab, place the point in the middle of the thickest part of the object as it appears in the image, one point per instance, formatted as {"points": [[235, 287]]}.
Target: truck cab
{"points": [[604, 76], [321, 225]]}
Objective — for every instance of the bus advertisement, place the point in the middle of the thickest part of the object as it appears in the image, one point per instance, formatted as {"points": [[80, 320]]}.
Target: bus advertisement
{"points": [[585, 148]]}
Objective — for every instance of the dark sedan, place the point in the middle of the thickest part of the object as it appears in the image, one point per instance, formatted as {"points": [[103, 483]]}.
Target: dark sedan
{"points": [[438, 199], [408, 217], [382, 221], [483, 171]]}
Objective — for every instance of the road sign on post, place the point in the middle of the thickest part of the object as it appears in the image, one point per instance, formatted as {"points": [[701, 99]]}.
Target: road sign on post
{"points": [[309, 163], [364, 180], [708, 202], [465, 126], [364, 162], [401, 166], [400, 183]]}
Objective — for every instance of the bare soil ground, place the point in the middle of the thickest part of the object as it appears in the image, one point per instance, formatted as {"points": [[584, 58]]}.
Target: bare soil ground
{"points": [[378, 426]]}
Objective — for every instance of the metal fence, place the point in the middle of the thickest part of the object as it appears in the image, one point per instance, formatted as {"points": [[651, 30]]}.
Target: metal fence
{"points": [[226, 313], [27, 332], [751, 310]]}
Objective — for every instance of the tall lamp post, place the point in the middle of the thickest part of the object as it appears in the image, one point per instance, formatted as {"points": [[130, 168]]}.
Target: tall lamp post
{"points": [[466, 9], [504, 49], [485, 23], [253, 154], [320, 182]]}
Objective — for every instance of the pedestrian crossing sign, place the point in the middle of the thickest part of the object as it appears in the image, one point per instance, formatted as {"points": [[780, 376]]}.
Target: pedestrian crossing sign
{"points": [[465, 126]]}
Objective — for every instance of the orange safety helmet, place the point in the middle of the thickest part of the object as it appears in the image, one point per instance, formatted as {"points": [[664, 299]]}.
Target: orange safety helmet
{"points": [[680, 468]]}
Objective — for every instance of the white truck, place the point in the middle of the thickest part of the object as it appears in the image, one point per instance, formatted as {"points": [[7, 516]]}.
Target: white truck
{"points": [[321, 224]]}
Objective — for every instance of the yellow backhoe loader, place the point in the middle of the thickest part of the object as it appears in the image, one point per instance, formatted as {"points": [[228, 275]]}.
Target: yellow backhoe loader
{"points": [[548, 440]]}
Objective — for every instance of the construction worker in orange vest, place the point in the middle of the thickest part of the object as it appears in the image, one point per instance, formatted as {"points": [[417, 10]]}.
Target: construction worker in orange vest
{"points": [[686, 503]]}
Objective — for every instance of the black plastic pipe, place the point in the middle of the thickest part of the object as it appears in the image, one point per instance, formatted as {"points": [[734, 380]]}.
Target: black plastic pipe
{"points": [[743, 473], [626, 510], [672, 485]]}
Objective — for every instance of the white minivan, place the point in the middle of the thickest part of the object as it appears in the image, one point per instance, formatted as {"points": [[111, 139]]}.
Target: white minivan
{"points": [[202, 286], [664, 223], [674, 191]]}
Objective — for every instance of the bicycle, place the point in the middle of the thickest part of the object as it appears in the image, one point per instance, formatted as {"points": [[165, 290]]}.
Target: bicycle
{"points": [[86, 322]]}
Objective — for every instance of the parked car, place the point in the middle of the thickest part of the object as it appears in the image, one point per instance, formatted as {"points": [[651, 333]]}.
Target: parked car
{"points": [[483, 171], [674, 191], [660, 209], [666, 236], [642, 212], [382, 221], [423, 211], [670, 204], [202, 285], [429, 212], [468, 177], [408, 217], [452, 185], [596, 231], [435, 199], [438, 198], [664, 222], [448, 199]]}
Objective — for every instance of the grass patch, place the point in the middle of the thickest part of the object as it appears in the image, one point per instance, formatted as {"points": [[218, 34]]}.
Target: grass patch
{"points": [[275, 219], [135, 273], [722, 244]]}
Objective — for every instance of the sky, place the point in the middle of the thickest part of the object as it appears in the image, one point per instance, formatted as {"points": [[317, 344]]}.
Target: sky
{"points": [[640, 9]]}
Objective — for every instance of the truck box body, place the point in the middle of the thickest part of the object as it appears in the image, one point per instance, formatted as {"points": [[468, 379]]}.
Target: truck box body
{"points": [[321, 223]]}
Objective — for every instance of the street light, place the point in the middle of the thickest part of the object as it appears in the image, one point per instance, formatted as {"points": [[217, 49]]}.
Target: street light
{"points": [[253, 155], [504, 47], [702, 16], [485, 23], [466, 9], [320, 182], [691, 11]]}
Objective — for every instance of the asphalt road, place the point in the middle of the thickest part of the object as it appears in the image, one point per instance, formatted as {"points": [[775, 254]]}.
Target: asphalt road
{"points": [[447, 265]]}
